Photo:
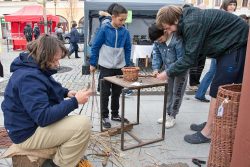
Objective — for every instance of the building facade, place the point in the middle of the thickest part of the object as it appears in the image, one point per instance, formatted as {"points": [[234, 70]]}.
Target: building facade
{"points": [[242, 7], [67, 10]]}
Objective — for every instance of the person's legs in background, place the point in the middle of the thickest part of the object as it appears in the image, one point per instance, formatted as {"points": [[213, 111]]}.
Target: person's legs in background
{"points": [[73, 48], [195, 74], [205, 82]]}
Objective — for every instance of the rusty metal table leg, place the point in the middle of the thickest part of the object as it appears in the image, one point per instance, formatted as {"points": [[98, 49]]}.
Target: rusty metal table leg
{"points": [[164, 110], [101, 110], [138, 106], [140, 142], [122, 117]]}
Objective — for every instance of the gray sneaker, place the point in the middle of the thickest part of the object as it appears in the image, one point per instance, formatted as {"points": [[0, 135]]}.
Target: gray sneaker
{"points": [[106, 123]]}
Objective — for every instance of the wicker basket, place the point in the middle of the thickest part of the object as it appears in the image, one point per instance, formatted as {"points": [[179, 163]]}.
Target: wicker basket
{"points": [[224, 125], [130, 73]]}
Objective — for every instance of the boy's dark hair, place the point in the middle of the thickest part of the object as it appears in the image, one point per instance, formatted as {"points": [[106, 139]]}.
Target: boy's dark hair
{"points": [[111, 7], [119, 9], [225, 4], [154, 32]]}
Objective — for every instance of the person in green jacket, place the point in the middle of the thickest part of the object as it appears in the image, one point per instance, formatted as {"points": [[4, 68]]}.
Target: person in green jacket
{"points": [[207, 33]]}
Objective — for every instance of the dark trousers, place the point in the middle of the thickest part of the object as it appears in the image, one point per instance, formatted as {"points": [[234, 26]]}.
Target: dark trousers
{"points": [[195, 72], [73, 48], [28, 38], [1, 70], [109, 89], [229, 69]]}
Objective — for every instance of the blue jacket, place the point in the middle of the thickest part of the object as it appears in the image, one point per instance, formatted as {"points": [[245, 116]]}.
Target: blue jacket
{"points": [[74, 35], [112, 46], [167, 54], [33, 98]]}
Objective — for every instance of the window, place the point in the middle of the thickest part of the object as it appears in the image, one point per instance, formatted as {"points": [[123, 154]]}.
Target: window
{"points": [[217, 2], [244, 3], [199, 2]]}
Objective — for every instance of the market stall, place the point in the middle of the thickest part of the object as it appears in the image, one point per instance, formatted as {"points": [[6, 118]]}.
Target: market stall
{"points": [[28, 14]]}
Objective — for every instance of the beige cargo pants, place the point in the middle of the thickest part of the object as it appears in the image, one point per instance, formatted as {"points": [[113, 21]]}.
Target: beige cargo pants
{"points": [[70, 135]]}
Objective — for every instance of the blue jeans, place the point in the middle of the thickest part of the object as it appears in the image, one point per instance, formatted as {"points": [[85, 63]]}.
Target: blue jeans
{"points": [[206, 81]]}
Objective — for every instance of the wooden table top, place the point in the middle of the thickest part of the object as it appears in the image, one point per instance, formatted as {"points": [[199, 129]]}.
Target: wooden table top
{"points": [[146, 82]]}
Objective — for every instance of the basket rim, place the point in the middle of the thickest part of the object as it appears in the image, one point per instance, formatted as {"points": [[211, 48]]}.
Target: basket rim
{"points": [[130, 68], [224, 88]]}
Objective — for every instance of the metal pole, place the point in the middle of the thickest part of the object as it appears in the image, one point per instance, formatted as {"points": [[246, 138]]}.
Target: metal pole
{"points": [[45, 17], [55, 6]]}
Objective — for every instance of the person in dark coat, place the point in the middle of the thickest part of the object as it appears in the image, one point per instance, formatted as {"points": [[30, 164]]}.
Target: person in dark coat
{"points": [[74, 39], [28, 32], [36, 31]]}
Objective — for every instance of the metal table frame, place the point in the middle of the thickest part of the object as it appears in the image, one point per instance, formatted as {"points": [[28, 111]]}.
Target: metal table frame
{"points": [[126, 86]]}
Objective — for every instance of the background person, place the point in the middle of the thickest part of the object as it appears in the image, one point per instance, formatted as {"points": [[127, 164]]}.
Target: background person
{"points": [[59, 32], [28, 32], [74, 39], [36, 31]]}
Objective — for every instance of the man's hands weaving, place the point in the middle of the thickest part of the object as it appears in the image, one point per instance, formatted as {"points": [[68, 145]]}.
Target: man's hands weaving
{"points": [[71, 93], [82, 96]]}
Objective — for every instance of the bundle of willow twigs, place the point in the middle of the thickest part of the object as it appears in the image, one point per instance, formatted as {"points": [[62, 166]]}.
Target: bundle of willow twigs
{"points": [[102, 148]]}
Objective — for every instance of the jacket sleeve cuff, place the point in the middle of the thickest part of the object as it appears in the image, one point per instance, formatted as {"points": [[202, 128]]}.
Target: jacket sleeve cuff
{"points": [[66, 91], [168, 73], [75, 102]]}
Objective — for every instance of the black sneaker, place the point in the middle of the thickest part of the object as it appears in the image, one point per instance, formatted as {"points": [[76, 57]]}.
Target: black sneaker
{"points": [[118, 118], [49, 163], [106, 123], [205, 100], [198, 127]]}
